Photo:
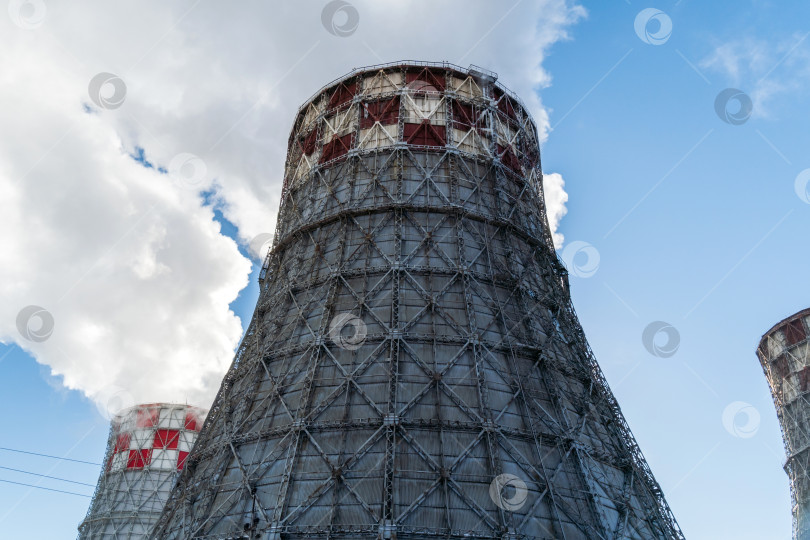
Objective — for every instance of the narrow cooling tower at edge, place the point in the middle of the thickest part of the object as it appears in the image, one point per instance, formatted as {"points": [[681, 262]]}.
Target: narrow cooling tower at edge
{"points": [[784, 353], [147, 448], [414, 367]]}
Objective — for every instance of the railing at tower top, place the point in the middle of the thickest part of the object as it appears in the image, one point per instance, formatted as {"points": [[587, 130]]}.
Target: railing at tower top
{"points": [[472, 70]]}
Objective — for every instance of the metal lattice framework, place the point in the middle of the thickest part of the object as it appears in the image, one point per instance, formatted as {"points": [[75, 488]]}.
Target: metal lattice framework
{"points": [[146, 450], [414, 367], [784, 353]]}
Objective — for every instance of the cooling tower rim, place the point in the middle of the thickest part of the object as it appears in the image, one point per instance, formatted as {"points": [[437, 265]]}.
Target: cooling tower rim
{"points": [[159, 404], [778, 326], [472, 69]]}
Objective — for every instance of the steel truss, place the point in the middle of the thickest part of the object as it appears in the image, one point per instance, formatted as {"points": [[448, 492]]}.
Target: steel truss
{"points": [[784, 353], [467, 363], [146, 447]]}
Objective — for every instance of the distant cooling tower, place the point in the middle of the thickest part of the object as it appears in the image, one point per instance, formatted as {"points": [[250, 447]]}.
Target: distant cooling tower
{"points": [[146, 450], [414, 368], [784, 353]]}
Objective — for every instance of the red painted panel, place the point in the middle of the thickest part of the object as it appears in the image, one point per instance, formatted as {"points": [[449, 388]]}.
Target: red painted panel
{"points": [[166, 438], [780, 366], [192, 422], [464, 116], [310, 142], [138, 459], [181, 460], [794, 332], [121, 443], [509, 158], [385, 112], [343, 94], [147, 417], [804, 379], [425, 134], [506, 106], [337, 147], [429, 77]]}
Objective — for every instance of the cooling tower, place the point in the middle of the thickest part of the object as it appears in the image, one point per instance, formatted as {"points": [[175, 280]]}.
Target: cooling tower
{"points": [[785, 357], [146, 450], [414, 367]]}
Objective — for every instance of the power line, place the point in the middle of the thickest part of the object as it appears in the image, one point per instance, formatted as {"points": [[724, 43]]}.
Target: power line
{"points": [[46, 476], [52, 457], [46, 489]]}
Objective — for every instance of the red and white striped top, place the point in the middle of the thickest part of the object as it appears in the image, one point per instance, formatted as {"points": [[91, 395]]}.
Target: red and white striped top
{"points": [[156, 436]]}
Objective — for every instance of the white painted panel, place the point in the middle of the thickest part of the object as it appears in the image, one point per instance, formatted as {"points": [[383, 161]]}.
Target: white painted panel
{"points": [[141, 438], [165, 460], [505, 132], [466, 87], [119, 461], [425, 107], [311, 113], [776, 344], [382, 83], [342, 123], [470, 141], [186, 441], [378, 135], [177, 419]]}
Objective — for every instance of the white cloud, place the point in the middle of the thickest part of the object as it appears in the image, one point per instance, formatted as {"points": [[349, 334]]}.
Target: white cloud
{"points": [[129, 261], [556, 197], [764, 69]]}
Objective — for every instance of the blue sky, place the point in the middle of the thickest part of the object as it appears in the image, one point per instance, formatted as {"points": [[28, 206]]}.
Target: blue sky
{"points": [[696, 223], [715, 248]]}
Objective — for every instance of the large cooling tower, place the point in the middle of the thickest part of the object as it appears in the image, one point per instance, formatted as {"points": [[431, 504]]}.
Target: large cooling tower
{"points": [[785, 357], [146, 450], [414, 367]]}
